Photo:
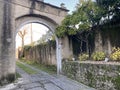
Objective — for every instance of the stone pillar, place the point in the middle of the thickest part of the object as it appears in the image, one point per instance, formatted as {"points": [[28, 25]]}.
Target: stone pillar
{"points": [[67, 50], [7, 42], [107, 46], [98, 42]]}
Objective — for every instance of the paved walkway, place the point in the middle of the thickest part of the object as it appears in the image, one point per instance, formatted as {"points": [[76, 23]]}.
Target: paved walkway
{"points": [[44, 81]]}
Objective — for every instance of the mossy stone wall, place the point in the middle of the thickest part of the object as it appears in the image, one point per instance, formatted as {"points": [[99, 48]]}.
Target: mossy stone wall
{"points": [[43, 53], [100, 76]]}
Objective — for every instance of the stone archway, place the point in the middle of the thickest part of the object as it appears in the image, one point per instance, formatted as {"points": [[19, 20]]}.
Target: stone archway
{"points": [[52, 26], [14, 14]]}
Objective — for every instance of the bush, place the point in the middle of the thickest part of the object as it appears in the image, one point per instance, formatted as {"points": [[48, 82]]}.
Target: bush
{"points": [[98, 56], [115, 54], [83, 57]]}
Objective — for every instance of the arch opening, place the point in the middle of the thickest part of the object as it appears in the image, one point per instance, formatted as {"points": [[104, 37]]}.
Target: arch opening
{"points": [[51, 28], [34, 32]]}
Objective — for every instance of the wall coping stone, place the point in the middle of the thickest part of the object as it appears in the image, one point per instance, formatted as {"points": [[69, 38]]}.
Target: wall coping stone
{"points": [[97, 62]]}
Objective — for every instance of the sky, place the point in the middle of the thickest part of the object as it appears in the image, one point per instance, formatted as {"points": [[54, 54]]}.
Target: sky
{"points": [[37, 31], [70, 4]]}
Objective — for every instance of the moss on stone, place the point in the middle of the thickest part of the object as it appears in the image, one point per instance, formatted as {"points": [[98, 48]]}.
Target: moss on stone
{"points": [[11, 78], [7, 79], [90, 78], [99, 76], [116, 82]]}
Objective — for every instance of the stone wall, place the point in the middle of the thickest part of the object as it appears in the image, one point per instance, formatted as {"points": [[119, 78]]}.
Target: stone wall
{"points": [[67, 50], [44, 53], [100, 76], [106, 39]]}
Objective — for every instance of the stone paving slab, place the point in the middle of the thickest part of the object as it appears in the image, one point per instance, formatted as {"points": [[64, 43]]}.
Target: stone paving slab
{"points": [[51, 86], [19, 89], [44, 81], [8, 87], [31, 85], [37, 88]]}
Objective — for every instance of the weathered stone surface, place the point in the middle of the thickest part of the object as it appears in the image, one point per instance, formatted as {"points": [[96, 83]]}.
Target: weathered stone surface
{"points": [[51, 86], [37, 88], [97, 75], [7, 58], [31, 85], [44, 54], [40, 8], [13, 15]]}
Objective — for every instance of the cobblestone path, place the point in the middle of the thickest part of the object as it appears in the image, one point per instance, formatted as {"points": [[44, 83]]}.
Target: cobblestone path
{"points": [[44, 81]]}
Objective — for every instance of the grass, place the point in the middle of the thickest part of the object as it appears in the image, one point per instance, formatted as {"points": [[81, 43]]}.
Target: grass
{"points": [[51, 69], [18, 75], [26, 69], [47, 68]]}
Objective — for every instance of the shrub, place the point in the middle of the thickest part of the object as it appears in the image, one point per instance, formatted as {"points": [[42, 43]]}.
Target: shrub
{"points": [[83, 57], [98, 56], [115, 54]]}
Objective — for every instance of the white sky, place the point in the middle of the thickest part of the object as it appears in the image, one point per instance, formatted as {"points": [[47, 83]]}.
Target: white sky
{"points": [[37, 29]]}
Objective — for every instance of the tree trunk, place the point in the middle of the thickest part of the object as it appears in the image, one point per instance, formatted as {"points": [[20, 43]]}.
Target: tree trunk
{"points": [[22, 42]]}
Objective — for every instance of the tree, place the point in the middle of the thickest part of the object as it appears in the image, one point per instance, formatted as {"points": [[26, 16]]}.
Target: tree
{"points": [[111, 10], [91, 15], [87, 15], [46, 37], [22, 35]]}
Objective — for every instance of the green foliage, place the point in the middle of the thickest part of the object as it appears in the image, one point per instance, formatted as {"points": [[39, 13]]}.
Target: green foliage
{"points": [[46, 37], [86, 16], [18, 75], [110, 8], [115, 54], [116, 82], [83, 57], [89, 14], [51, 69], [65, 28], [98, 56], [27, 47], [60, 31]]}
